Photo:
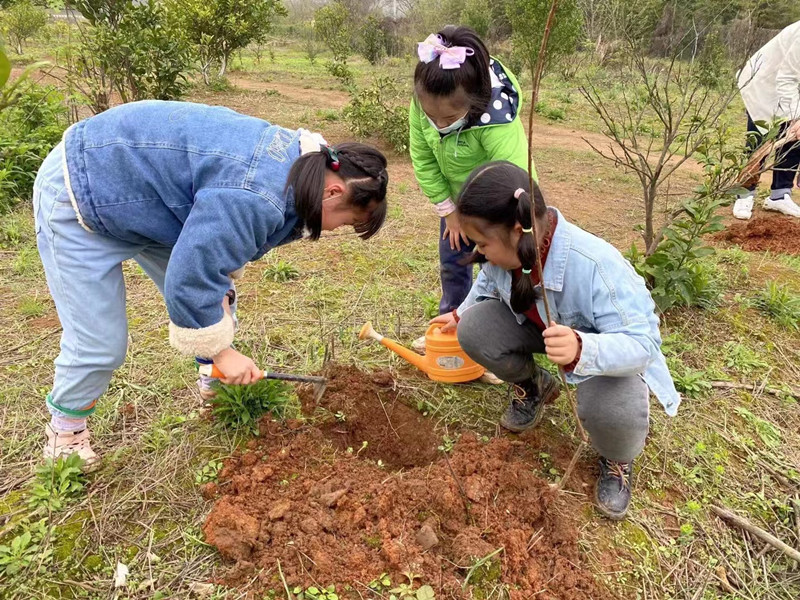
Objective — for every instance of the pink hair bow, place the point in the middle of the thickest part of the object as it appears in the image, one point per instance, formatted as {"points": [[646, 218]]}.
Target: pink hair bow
{"points": [[449, 57]]}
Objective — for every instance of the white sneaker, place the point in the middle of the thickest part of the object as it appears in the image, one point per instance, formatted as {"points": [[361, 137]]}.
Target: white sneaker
{"points": [[743, 207], [491, 378], [64, 443], [418, 345], [785, 205]]}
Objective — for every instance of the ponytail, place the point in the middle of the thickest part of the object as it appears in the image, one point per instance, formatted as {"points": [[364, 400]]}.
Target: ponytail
{"points": [[363, 169], [499, 194], [523, 293]]}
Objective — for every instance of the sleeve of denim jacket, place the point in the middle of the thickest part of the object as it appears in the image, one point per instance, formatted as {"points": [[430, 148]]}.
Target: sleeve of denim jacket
{"points": [[484, 286], [623, 315], [426, 167], [224, 230]]}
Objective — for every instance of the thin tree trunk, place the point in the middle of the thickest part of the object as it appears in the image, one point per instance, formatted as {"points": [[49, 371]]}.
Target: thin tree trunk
{"points": [[223, 65]]}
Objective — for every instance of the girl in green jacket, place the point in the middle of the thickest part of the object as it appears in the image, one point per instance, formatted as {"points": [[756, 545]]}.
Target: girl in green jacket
{"points": [[465, 112]]}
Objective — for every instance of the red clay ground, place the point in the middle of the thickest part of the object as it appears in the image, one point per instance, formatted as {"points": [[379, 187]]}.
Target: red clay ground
{"points": [[773, 233], [334, 516]]}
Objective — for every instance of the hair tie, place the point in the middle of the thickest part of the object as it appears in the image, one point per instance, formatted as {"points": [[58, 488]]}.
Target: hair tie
{"points": [[519, 193], [526, 271], [332, 157], [450, 57], [529, 230]]}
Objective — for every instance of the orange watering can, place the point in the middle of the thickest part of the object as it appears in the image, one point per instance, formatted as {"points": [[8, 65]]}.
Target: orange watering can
{"points": [[444, 360]]}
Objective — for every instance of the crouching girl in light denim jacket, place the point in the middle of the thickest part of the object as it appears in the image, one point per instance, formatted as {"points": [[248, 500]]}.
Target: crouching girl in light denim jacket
{"points": [[192, 193], [607, 338]]}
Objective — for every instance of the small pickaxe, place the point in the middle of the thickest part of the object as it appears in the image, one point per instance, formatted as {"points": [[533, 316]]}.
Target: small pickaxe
{"points": [[319, 383]]}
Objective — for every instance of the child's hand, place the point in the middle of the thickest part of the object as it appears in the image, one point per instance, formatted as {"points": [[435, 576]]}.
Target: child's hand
{"points": [[238, 368], [453, 231], [448, 320], [561, 343]]}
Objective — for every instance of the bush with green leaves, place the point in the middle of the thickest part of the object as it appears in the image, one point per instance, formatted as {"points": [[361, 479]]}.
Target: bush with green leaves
{"points": [[675, 272], [131, 45], [218, 28], [528, 19], [377, 109], [332, 24], [477, 14], [21, 21], [27, 548], [29, 128], [372, 43], [240, 407], [779, 303], [58, 483]]}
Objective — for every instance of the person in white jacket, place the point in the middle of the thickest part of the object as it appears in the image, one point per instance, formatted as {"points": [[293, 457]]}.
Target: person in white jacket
{"points": [[770, 87]]}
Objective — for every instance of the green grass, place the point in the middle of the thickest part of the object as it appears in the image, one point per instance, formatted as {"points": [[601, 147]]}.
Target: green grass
{"points": [[780, 303]]}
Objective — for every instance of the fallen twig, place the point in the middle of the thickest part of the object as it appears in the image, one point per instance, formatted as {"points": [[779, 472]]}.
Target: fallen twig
{"points": [[460, 488], [730, 385], [283, 580], [763, 535], [383, 406]]}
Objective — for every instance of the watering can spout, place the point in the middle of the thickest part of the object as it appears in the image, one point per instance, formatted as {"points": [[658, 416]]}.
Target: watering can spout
{"points": [[444, 359], [368, 332]]}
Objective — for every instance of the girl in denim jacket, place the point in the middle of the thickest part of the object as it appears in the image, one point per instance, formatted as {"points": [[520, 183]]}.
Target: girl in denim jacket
{"points": [[192, 193], [607, 341]]}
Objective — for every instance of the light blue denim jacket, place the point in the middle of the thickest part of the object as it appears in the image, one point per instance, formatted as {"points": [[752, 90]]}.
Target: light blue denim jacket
{"points": [[203, 180], [594, 290]]}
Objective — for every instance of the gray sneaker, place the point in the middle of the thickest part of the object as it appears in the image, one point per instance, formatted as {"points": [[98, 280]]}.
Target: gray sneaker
{"points": [[613, 490]]}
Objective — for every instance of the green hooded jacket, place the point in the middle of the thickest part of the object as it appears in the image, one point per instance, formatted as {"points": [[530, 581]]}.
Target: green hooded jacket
{"points": [[443, 163]]}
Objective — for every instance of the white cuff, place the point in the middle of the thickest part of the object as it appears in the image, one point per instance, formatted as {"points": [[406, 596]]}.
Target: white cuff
{"points": [[205, 341], [310, 142], [444, 208]]}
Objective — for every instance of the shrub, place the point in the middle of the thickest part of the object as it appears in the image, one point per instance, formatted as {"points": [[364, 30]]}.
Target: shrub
{"points": [[29, 129], [332, 24], [373, 43], [218, 28], [528, 18], [131, 46], [375, 110], [675, 271], [23, 20]]}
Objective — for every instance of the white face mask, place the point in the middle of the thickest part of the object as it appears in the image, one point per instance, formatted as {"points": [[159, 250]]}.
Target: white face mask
{"points": [[454, 126]]}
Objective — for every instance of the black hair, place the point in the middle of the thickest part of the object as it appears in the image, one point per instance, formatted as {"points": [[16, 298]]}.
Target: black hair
{"points": [[490, 194], [363, 169], [473, 76]]}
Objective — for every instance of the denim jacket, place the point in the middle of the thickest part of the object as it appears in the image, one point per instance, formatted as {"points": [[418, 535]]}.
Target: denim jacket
{"points": [[595, 291], [203, 180]]}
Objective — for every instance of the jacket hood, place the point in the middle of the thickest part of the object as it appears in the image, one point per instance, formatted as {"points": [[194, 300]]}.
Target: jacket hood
{"points": [[504, 105]]}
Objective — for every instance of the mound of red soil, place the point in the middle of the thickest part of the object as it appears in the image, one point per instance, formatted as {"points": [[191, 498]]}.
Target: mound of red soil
{"points": [[329, 515], [776, 234]]}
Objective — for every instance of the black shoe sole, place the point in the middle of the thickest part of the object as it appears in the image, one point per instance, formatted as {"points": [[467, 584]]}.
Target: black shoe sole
{"points": [[551, 394]]}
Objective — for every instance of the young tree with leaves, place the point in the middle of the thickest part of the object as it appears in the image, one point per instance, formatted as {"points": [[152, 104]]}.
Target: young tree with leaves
{"points": [[22, 21], [218, 28]]}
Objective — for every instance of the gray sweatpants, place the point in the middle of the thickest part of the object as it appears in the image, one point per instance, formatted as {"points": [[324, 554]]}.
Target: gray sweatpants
{"points": [[613, 410]]}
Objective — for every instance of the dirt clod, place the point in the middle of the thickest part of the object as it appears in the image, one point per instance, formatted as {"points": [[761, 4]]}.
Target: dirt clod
{"points": [[426, 537], [332, 498], [279, 510], [775, 234], [339, 517]]}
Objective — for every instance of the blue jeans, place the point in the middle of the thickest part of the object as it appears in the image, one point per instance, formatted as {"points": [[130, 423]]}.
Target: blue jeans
{"points": [[84, 275], [456, 277]]}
